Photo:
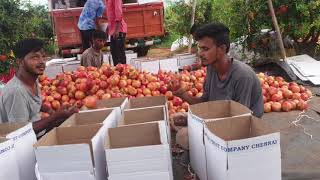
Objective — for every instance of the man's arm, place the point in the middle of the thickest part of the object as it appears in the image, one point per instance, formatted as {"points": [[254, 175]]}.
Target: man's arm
{"points": [[190, 99], [54, 120]]}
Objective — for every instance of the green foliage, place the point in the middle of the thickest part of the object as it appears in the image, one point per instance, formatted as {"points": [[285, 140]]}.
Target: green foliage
{"points": [[20, 20], [298, 19]]}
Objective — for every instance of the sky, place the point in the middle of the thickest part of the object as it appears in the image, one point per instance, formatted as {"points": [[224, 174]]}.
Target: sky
{"points": [[41, 2]]}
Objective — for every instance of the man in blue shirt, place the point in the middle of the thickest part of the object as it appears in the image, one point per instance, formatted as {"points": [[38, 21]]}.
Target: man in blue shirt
{"points": [[92, 10]]}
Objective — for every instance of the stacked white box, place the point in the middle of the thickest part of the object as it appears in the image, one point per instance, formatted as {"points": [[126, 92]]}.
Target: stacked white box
{"points": [[139, 151], [76, 152], [242, 147], [197, 116], [23, 138], [186, 59], [8, 161]]}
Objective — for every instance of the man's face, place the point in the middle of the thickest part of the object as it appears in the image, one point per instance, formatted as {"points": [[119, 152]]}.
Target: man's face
{"points": [[98, 43], [34, 62], [209, 52]]}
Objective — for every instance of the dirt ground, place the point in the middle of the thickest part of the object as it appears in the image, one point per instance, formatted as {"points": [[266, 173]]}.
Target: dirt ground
{"points": [[300, 143]]}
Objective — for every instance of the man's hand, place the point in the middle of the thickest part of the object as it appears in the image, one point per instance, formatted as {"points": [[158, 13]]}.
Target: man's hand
{"points": [[66, 111], [180, 119]]}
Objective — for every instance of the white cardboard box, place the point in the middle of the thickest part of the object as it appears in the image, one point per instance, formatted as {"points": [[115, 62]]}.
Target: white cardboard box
{"points": [[76, 175], [118, 104], [186, 59], [99, 116], [147, 114], [73, 149], [152, 66], [143, 102], [170, 64], [136, 148], [24, 138], [8, 162], [197, 115], [130, 58], [242, 147], [142, 176]]}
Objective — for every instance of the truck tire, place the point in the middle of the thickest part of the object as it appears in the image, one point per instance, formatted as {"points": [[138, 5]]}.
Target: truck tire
{"points": [[142, 51]]}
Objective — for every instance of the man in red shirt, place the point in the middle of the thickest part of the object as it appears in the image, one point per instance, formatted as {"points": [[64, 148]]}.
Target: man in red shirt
{"points": [[117, 29]]}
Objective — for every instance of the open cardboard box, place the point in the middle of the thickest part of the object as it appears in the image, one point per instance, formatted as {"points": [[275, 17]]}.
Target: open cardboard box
{"points": [[143, 102], [8, 161], [23, 137], [242, 147], [72, 149], [101, 116], [143, 115], [118, 104], [136, 148], [197, 115]]}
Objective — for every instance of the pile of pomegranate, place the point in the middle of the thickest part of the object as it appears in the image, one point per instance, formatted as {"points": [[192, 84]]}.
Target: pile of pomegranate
{"points": [[279, 95], [87, 85]]}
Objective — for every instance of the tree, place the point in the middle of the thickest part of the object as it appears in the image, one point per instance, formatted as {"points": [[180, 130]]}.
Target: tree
{"points": [[21, 20]]}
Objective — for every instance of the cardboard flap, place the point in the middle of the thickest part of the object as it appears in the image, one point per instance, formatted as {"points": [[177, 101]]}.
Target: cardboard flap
{"points": [[231, 128], [241, 127], [88, 117], [237, 109], [134, 135], [69, 135], [108, 103], [49, 139], [147, 102], [7, 128], [218, 109], [137, 116], [2, 139], [75, 135], [260, 127]]}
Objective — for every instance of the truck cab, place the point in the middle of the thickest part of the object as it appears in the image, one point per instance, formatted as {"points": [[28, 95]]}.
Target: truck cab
{"points": [[144, 19]]}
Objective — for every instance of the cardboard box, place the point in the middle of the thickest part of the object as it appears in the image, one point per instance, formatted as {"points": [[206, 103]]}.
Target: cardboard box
{"points": [[101, 116], [140, 176], [118, 104], [186, 59], [143, 115], [8, 161], [73, 149], [152, 66], [130, 58], [170, 64], [136, 148], [78, 175], [23, 137], [143, 102], [242, 148], [197, 115]]}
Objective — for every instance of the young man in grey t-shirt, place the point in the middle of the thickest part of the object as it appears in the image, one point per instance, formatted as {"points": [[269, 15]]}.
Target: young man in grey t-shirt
{"points": [[227, 79], [21, 97]]}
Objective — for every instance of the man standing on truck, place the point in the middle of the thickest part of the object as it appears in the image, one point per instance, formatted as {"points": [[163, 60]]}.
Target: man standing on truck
{"points": [[92, 10], [117, 30], [93, 56], [21, 99]]}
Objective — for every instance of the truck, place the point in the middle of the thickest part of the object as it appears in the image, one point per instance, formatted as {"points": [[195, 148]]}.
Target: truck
{"points": [[144, 19]]}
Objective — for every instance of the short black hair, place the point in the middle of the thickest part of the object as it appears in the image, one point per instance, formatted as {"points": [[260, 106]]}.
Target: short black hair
{"points": [[25, 46], [97, 34], [216, 31], [193, 28]]}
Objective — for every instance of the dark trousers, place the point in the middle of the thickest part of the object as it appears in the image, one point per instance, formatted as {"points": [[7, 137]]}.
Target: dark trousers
{"points": [[86, 38], [117, 47]]}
